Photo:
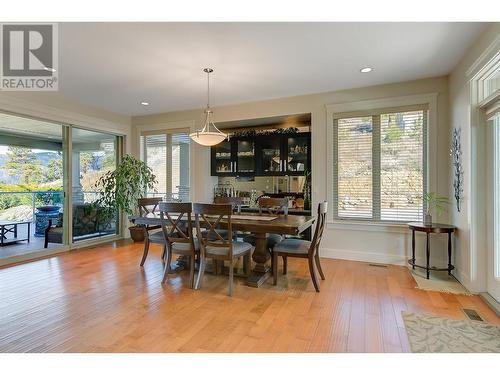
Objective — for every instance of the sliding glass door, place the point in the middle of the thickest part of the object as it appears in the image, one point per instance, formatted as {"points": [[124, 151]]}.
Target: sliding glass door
{"points": [[45, 168], [93, 155], [167, 154], [32, 155]]}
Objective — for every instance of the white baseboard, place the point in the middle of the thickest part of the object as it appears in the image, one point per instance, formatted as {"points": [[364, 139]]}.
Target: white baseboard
{"points": [[363, 256], [33, 255], [491, 302], [464, 279]]}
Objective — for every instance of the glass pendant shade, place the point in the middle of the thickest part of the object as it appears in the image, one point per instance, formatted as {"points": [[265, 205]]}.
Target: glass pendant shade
{"points": [[209, 135]]}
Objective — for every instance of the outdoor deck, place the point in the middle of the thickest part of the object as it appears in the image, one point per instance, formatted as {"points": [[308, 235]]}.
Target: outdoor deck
{"points": [[23, 247]]}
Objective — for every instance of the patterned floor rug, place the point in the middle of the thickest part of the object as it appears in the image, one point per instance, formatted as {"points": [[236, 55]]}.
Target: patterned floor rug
{"points": [[438, 282], [431, 334]]}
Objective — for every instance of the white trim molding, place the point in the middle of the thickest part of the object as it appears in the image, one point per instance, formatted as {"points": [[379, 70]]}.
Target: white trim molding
{"points": [[363, 256], [482, 68]]}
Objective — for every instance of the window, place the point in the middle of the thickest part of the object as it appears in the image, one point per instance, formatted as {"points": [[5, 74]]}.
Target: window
{"points": [[167, 154], [379, 164]]}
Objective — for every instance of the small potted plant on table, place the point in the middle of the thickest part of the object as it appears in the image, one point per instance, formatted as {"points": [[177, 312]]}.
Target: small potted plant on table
{"points": [[121, 188], [436, 202]]}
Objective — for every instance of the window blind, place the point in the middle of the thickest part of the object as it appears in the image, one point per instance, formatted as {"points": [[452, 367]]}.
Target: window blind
{"points": [[379, 166], [355, 167], [402, 166], [156, 158], [167, 154], [180, 166]]}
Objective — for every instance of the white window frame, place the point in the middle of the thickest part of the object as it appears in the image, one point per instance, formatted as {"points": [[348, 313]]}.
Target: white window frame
{"points": [[431, 177], [167, 132]]}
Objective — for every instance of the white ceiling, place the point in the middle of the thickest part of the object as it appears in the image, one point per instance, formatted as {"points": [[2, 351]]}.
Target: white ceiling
{"points": [[115, 66]]}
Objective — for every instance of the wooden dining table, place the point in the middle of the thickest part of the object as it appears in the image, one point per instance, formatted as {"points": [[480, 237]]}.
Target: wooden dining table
{"points": [[260, 227]]}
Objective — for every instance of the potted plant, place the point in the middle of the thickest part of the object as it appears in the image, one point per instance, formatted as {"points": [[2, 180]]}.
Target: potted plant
{"points": [[121, 188], [436, 202]]}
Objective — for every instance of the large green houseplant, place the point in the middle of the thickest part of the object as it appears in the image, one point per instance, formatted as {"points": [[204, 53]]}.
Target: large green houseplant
{"points": [[120, 189]]}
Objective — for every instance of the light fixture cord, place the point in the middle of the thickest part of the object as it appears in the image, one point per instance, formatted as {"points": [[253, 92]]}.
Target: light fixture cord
{"points": [[208, 90]]}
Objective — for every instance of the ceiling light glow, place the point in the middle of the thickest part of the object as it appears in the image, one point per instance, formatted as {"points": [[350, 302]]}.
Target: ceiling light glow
{"points": [[366, 70]]}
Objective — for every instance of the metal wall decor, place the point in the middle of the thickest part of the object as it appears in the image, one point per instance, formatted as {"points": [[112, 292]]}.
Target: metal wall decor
{"points": [[456, 154]]}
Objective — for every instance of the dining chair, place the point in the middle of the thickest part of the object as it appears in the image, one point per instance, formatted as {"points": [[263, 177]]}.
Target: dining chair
{"points": [[236, 202], [177, 232], [297, 248], [271, 206], [147, 206], [214, 246]]}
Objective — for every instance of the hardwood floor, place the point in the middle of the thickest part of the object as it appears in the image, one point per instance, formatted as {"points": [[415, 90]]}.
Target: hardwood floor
{"points": [[99, 300]]}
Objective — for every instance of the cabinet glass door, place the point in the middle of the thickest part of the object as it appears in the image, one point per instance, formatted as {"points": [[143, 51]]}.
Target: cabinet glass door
{"points": [[223, 158], [271, 155], [297, 154], [245, 153]]}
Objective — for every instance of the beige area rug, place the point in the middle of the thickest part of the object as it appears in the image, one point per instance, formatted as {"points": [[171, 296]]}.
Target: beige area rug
{"points": [[431, 334], [439, 281]]}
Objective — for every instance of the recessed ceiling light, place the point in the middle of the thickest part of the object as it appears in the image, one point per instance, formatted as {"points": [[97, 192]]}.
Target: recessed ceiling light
{"points": [[49, 69], [145, 103], [366, 70]]}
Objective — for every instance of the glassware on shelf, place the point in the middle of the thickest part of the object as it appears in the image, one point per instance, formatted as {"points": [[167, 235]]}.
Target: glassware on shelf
{"points": [[253, 198], [224, 189], [245, 153], [224, 167]]}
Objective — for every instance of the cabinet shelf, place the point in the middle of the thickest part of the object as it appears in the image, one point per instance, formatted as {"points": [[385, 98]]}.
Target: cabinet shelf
{"points": [[273, 155]]}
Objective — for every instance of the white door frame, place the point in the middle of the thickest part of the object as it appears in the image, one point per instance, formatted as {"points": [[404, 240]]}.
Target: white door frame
{"points": [[480, 179]]}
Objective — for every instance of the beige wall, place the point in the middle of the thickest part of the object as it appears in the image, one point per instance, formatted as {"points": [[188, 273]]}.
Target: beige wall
{"points": [[376, 243], [470, 244]]}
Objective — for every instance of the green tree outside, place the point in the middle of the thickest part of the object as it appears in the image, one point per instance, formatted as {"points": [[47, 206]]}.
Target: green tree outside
{"points": [[54, 170], [22, 162]]}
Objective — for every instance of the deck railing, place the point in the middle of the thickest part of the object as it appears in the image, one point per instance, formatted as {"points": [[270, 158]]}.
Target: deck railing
{"points": [[34, 199]]}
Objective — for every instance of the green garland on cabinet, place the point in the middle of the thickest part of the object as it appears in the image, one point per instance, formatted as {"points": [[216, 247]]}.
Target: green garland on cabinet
{"points": [[253, 132]]}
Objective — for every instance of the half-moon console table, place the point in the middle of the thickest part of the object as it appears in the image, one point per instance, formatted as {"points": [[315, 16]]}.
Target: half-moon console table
{"points": [[428, 229]]}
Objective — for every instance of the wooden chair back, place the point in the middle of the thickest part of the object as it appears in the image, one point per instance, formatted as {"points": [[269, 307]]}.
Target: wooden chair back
{"points": [[236, 202], [148, 205], [209, 216], [320, 226], [174, 228], [273, 206]]}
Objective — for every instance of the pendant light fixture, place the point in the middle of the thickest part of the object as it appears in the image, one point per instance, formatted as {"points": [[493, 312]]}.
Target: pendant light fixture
{"points": [[209, 135]]}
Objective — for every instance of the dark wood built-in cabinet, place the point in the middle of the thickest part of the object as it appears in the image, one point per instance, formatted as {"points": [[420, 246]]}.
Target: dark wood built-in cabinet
{"points": [[264, 155]]}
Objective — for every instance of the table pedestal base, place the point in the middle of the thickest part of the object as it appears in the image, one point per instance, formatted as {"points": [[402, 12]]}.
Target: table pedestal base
{"points": [[261, 255], [258, 276]]}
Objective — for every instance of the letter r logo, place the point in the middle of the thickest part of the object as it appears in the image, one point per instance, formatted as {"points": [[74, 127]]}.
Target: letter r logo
{"points": [[27, 50]]}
